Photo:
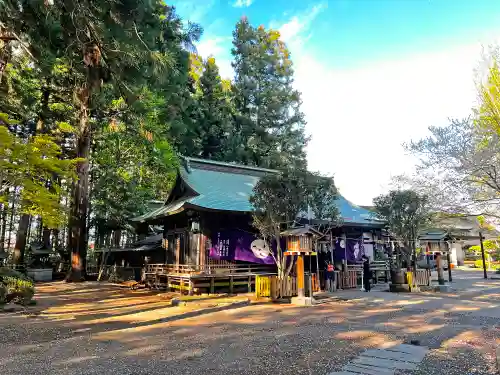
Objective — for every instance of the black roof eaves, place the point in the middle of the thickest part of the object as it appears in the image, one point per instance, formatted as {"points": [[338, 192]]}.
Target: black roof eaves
{"points": [[207, 209], [181, 178], [230, 165], [363, 225], [153, 219]]}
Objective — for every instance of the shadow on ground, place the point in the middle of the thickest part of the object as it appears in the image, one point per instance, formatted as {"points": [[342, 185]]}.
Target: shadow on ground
{"points": [[92, 328]]}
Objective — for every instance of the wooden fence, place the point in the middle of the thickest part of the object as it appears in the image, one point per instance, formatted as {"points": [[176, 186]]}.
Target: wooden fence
{"points": [[422, 277], [346, 280], [273, 287], [209, 269]]}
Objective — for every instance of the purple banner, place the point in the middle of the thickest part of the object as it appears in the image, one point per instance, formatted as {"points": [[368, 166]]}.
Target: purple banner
{"points": [[239, 245], [353, 250]]}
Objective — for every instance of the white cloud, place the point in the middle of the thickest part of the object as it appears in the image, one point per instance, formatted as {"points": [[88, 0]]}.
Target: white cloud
{"points": [[359, 118], [211, 46], [218, 47], [292, 32], [242, 3]]}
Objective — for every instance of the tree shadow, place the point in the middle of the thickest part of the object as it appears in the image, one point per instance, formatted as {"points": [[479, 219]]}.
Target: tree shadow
{"points": [[257, 339]]}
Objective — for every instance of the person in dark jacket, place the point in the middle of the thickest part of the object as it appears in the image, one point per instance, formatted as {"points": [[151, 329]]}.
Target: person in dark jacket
{"points": [[366, 273]]}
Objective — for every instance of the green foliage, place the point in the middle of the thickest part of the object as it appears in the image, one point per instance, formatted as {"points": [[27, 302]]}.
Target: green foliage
{"points": [[489, 245], [99, 74], [406, 213], [213, 122], [130, 170], [322, 198], [488, 112], [269, 126], [279, 198], [116, 85], [31, 165], [489, 263], [15, 286]]}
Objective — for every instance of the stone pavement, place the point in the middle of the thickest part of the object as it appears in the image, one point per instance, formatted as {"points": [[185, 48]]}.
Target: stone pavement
{"points": [[385, 361], [470, 294]]}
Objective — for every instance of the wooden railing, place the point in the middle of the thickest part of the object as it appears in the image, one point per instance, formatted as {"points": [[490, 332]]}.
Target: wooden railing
{"points": [[422, 277], [275, 288], [346, 280], [377, 265], [121, 272], [209, 269]]}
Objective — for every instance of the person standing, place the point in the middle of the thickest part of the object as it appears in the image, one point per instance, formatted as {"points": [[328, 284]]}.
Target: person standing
{"points": [[330, 277], [366, 273]]}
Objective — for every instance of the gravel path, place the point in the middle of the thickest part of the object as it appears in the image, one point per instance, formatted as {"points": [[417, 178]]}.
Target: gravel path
{"points": [[258, 339]]}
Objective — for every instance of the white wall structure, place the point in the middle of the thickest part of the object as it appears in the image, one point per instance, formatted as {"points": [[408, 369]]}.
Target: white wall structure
{"points": [[368, 244], [457, 254]]}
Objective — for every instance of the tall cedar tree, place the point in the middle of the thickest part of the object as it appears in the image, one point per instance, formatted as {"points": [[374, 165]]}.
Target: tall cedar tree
{"points": [[269, 122], [214, 120]]}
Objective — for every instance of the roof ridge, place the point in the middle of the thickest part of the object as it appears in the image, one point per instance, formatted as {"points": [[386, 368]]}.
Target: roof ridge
{"points": [[189, 159]]}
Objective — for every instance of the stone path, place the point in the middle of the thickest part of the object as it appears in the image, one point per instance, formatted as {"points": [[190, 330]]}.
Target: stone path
{"points": [[385, 361]]}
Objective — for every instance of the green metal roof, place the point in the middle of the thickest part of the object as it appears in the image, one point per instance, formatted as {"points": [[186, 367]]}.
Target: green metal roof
{"points": [[433, 236], [220, 190], [354, 214], [228, 187]]}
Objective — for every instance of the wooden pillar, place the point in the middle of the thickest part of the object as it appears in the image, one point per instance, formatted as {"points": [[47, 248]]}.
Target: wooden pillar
{"points": [[300, 275], [249, 284], [203, 252], [191, 287], [448, 258], [439, 265], [177, 251], [231, 285], [483, 256]]}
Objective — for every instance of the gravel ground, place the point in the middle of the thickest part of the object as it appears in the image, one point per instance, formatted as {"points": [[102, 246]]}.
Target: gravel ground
{"points": [[258, 339]]}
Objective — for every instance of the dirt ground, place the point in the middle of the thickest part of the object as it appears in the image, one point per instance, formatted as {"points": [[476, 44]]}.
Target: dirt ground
{"points": [[92, 328]]}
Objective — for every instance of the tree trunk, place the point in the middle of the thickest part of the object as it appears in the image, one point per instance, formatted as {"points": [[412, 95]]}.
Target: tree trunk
{"points": [[39, 230], [3, 228], [398, 256], [117, 236], [78, 219], [56, 242], [5, 52], [21, 235], [280, 259], [28, 234], [11, 221], [46, 238], [290, 266]]}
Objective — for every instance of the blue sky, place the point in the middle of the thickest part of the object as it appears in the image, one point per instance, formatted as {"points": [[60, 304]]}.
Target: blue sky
{"points": [[373, 73]]}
